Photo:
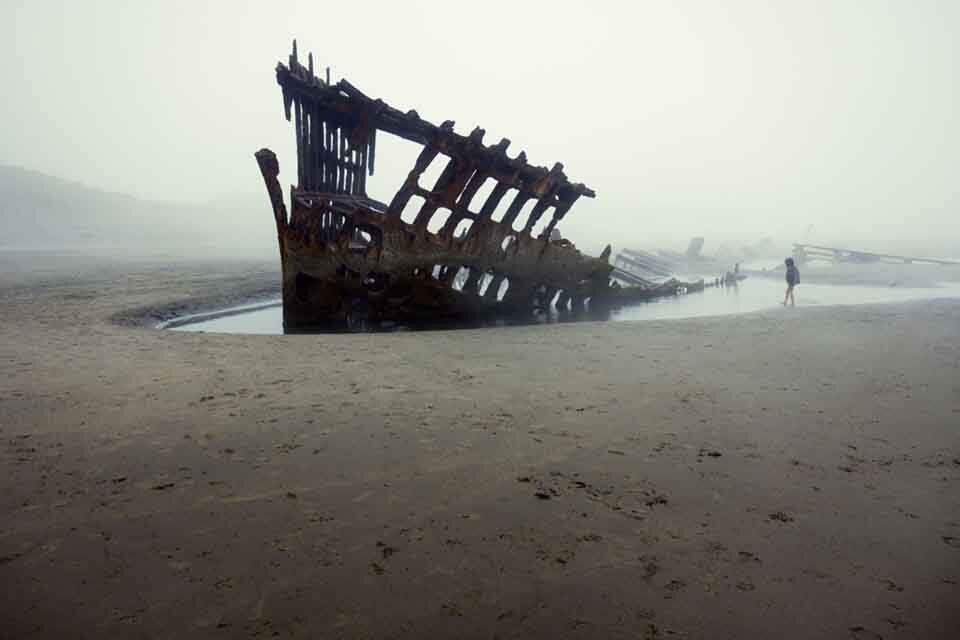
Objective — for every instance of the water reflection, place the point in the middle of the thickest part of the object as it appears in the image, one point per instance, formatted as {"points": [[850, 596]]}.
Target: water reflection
{"points": [[753, 294], [361, 324]]}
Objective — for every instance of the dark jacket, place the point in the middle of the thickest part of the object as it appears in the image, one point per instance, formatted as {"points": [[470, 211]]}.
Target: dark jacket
{"points": [[793, 275]]}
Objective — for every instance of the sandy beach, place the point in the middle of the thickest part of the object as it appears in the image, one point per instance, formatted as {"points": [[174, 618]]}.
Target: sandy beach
{"points": [[785, 474]]}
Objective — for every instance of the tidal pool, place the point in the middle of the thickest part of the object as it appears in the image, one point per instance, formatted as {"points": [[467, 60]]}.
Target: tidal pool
{"points": [[753, 294]]}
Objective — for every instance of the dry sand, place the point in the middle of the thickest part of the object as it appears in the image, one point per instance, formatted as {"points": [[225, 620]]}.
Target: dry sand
{"points": [[790, 474]]}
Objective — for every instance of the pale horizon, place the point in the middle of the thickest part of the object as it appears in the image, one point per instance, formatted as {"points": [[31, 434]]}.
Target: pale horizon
{"points": [[829, 121]]}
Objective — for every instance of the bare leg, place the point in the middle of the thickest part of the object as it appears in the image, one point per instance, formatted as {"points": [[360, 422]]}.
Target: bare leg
{"points": [[786, 296], [793, 302]]}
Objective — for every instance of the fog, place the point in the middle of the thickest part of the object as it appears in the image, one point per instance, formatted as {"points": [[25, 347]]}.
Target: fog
{"points": [[828, 121]]}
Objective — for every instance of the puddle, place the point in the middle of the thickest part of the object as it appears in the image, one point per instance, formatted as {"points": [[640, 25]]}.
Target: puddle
{"points": [[753, 294]]}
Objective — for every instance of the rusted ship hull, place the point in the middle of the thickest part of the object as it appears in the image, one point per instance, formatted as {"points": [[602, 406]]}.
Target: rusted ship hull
{"points": [[344, 253]]}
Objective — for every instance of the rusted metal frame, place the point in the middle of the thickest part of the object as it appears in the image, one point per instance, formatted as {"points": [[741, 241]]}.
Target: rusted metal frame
{"points": [[270, 170], [565, 202], [302, 144], [411, 185], [317, 147], [335, 166], [512, 178], [346, 158], [548, 295], [447, 274], [362, 171], [347, 161], [358, 168], [372, 146], [420, 191], [535, 214], [353, 92], [493, 201], [446, 190], [468, 167], [347, 112], [314, 165], [545, 191], [341, 167], [326, 160], [344, 223], [351, 165], [345, 200], [338, 161], [323, 166], [461, 210], [392, 121], [513, 210], [521, 293], [352, 160], [298, 124], [330, 160], [433, 200], [411, 127], [473, 280], [359, 137], [316, 140], [356, 159], [337, 150], [336, 158], [294, 63], [350, 168], [486, 275], [578, 300], [455, 144], [490, 295], [315, 169], [305, 130], [514, 172]]}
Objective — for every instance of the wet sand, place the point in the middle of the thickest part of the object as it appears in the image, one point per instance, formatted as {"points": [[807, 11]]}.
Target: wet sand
{"points": [[793, 473]]}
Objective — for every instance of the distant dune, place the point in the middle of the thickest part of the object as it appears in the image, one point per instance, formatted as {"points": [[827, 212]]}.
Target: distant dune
{"points": [[39, 211]]}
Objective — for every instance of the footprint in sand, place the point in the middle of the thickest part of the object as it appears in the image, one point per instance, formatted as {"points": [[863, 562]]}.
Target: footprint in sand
{"points": [[675, 585], [650, 568], [891, 585]]}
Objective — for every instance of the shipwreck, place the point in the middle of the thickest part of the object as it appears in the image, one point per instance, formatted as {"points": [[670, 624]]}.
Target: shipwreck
{"points": [[345, 254]]}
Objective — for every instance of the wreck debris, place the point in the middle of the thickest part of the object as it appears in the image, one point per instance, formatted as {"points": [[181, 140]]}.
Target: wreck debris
{"points": [[807, 252], [643, 263], [651, 275], [694, 248], [343, 252]]}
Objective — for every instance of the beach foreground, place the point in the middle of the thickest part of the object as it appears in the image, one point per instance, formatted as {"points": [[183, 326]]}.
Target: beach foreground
{"points": [[791, 474]]}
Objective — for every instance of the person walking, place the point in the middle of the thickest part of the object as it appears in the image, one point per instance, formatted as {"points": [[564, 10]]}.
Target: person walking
{"points": [[793, 279]]}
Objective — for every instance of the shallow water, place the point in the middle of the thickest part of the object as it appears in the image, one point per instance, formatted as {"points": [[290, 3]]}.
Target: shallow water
{"points": [[753, 294]]}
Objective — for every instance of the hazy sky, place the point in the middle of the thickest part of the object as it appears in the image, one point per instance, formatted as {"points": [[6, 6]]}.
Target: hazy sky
{"points": [[733, 119]]}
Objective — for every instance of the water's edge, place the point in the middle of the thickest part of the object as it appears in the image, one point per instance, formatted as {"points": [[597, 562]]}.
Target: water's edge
{"points": [[264, 317], [207, 316]]}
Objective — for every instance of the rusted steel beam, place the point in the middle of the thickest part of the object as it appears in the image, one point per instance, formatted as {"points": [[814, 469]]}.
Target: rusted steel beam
{"points": [[344, 99]]}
